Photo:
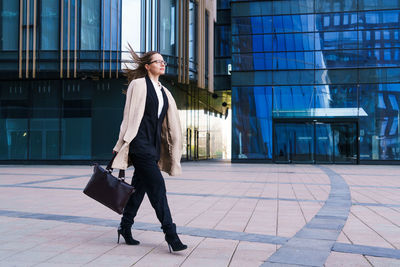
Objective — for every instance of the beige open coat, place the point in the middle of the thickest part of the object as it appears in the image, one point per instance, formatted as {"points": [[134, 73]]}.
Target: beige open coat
{"points": [[171, 133]]}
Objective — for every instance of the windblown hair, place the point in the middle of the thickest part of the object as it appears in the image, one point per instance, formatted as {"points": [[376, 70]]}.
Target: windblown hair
{"points": [[140, 62]]}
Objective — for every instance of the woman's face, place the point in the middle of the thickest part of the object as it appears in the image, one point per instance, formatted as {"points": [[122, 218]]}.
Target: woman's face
{"points": [[156, 65]]}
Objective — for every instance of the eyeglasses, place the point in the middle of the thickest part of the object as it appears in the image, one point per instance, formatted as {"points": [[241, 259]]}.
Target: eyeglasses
{"points": [[159, 62]]}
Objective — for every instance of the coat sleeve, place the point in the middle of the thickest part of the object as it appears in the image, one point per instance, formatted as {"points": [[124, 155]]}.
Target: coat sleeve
{"points": [[124, 123], [172, 153]]}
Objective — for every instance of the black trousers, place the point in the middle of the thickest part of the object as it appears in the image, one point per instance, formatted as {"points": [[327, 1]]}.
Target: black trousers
{"points": [[147, 178]]}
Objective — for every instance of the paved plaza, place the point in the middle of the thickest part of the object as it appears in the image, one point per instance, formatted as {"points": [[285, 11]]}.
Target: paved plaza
{"points": [[227, 214]]}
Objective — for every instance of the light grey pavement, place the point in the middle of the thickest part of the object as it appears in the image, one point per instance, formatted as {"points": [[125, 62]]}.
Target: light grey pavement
{"points": [[228, 215]]}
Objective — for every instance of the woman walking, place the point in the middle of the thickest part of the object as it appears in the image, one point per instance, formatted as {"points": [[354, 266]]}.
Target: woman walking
{"points": [[150, 140]]}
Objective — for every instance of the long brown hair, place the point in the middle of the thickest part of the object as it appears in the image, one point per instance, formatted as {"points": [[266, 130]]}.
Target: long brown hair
{"points": [[140, 62]]}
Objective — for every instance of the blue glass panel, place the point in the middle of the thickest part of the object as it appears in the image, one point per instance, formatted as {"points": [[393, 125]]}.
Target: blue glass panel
{"points": [[249, 78], [267, 42], [9, 25], [378, 4], [330, 59], [13, 138], [293, 42], [294, 23], [249, 25], [335, 6], [379, 19], [193, 34], [223, 4], [258, 43], [379, 131], [90, 25], [293, 6], [336, 22], [69, 24], [379, 58], [336, 40], [241, 25], [252, 122], [242, 62], [49, 22], [222, 41], [293, 98], [250, 43], [241, 44], [167, 28], [293, 60], [336, 96], [267, 24], [293, 77], [294, 142], [254, 8], [256, 25], [106, 13], [336, 76]]}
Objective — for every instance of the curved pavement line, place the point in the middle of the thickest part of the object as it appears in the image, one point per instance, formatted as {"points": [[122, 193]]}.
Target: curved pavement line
{"points": [[202, 232], [312, 245]]}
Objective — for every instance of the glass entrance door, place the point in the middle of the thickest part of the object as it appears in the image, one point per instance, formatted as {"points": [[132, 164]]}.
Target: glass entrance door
{"points": [[345, 142], [316, 142], [294, 142]]}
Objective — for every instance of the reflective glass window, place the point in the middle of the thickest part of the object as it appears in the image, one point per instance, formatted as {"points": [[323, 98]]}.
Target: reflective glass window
{"points": [[293, 77], [90, 25], [293, 6], [223, 4], [193, 32], [167, 27], [293, 60], [68, 24], [379, 19], [379, 57], [252, 123], [49, 21], [293, 42], [336, 40], [336, 76], [253, 8], [293, 98], [44, 132], [294, 23], [76, 120], [335, 6], [249, 25], [253, 61], [336, 96], [336, 59], [14, 112], [250, 78], [336, 22], [222, 41], [378, 4], [9, 23], [379, 131]]}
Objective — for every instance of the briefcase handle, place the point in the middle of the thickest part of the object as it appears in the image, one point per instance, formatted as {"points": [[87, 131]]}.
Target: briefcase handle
{"points": [[121, 173]]}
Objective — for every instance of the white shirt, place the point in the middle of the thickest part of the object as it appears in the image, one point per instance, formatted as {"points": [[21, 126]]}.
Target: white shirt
{"points": [[157, 87]]}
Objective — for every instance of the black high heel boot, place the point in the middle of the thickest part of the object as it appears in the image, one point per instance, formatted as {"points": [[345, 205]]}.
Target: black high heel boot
{"points": [[127, 235], [173, 239], [174, 242]]}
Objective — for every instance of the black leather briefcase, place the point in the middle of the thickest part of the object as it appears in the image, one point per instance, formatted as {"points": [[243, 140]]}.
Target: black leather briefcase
{"points": [[107, 189]]}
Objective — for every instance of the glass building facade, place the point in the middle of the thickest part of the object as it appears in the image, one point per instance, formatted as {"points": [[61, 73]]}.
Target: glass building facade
{"points": [[315, 81], [61, 78]]}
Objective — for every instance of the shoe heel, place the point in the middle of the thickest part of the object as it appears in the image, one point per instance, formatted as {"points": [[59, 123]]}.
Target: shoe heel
{"points": [[169, 247], [118, 236]]}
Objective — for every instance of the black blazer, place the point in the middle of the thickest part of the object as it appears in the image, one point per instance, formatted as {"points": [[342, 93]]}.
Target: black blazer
{"points": [[147, 142]]}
